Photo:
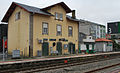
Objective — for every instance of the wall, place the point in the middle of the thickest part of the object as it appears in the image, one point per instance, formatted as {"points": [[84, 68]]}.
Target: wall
{"points": [[103, 47], [99, 46], [18, 32], [52, 24], [90, 28], [84, 28]]}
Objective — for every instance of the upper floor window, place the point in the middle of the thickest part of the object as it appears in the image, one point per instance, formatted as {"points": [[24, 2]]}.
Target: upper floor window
{"points": [[17, 16], [58, 16], [70, 31], [61, 16], [59, 30], [45, 28]]}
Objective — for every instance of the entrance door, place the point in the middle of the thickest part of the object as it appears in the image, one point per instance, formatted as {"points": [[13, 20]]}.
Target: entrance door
{"points": [[71, 48], [59, 48], [45, 49]]}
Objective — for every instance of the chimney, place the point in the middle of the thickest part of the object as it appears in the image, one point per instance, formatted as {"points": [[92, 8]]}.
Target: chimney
{"points": [[73, 14]]}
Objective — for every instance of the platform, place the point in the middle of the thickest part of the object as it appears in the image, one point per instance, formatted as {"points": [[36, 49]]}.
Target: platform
{"points": [[54, 58]]}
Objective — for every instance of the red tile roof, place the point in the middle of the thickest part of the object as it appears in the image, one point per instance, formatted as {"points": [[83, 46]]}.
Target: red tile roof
{"points": [[102, 40]]}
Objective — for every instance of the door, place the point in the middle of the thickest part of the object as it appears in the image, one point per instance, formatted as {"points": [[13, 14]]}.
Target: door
{"points": [[45, 49], [59, 48], [87, 46], [93, 48], [73, 49], [70, 48]]}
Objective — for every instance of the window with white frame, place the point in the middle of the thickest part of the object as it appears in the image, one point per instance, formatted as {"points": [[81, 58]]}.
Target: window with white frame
{"points": [[58, 16], [70, 31], [59, 30], [45, 28], [17, 16]]}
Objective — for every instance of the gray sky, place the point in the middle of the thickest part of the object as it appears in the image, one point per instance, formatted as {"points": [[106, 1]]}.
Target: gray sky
{"points": [[99, 11]]}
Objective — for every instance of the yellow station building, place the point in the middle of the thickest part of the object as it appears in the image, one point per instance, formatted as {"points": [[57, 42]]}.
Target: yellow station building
{"points": [[47, 30]]}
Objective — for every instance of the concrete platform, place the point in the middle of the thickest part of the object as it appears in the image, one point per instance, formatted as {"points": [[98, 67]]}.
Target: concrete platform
{"points": [[21, 65], [54, 58]]}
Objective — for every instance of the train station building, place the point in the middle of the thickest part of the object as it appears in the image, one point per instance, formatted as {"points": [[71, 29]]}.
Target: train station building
{"points": [[41, 32]]}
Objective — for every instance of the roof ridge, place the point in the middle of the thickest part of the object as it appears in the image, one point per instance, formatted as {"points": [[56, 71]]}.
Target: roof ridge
{"points": [[27, 5], [67, 9], [53, 4]]}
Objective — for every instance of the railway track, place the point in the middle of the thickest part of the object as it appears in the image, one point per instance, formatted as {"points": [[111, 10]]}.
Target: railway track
{"points": [[99, 69], [37, 66], [53, 66], [63, 66]]}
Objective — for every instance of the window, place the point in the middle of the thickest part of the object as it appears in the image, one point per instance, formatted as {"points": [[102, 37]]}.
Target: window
{"points": [[45, 28], [59, 30], [58, 16], [17, 16], [61, 16], [70, 31]]}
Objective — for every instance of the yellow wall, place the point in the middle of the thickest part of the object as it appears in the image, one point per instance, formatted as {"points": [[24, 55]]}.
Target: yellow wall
{"points": [[52, 24], [18, 32]]}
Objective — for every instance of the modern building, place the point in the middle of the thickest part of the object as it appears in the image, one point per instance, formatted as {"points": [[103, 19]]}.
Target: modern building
{"points": [[103, 45], [3, 33], [92, 29], [41, 31], [89, 29]]}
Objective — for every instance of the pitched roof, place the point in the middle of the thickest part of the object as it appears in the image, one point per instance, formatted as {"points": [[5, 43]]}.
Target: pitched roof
{"points": [[26, 8], [102, 40], [67, 9], [32, 9]]}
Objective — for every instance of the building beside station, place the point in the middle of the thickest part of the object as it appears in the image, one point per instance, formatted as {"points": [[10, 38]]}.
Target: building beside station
{"points": [[41, 31], [103, 45], [92, 29], [89, 31], [87, 45]]}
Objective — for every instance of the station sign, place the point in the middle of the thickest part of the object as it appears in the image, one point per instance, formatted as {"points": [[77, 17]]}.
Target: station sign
{"points": [[113, 28]]}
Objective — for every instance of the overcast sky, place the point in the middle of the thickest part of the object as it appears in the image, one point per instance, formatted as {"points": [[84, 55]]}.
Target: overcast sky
{"points": [[99, 11]]}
